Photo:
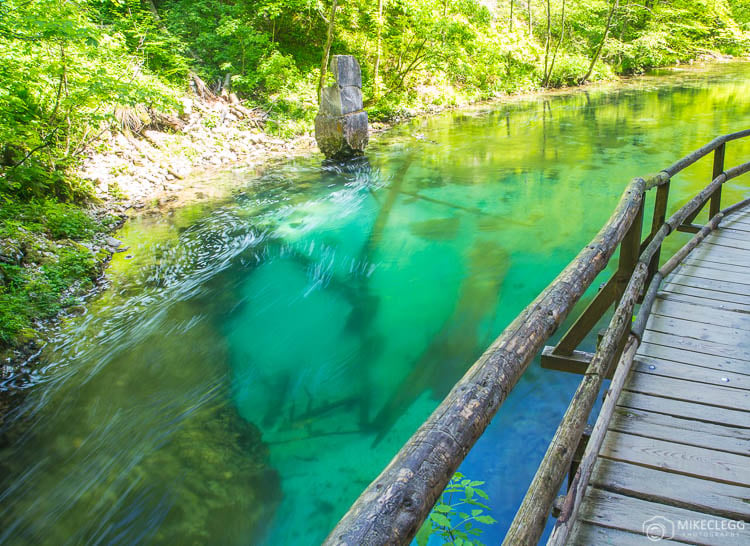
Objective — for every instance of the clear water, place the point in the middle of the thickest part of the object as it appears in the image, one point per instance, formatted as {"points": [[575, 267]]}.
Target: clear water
{"points": [[259, 358]]}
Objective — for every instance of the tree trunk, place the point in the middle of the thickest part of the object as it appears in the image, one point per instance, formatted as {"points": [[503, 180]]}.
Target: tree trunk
{"points": [[548, 75], [612, 10], [376, 82], [327, 49], [547, 38], [531, 30]]}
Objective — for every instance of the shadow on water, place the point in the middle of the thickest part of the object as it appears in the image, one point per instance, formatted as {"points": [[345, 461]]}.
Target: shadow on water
{"points": [[263, 356]]}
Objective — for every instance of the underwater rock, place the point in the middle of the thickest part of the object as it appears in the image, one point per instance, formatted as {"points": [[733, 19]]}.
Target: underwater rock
{"points": [[341, 128], [437, 229]]}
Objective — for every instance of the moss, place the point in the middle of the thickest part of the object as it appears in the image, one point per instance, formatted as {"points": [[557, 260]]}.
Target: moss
{"points": [[44, 267]]}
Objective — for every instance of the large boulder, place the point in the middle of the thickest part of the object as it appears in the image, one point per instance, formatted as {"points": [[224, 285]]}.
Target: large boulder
{"points": [[341, 128]]}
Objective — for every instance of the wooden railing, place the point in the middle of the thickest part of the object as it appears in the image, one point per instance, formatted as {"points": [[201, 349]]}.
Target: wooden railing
{"points": [[394, 505]]}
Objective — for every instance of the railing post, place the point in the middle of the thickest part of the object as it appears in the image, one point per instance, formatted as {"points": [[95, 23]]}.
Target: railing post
{"points": [[660, 215], [715, 205], [630, 250]]}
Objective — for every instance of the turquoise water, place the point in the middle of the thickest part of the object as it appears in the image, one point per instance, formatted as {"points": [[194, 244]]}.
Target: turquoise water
{"points": [[259, 358]]}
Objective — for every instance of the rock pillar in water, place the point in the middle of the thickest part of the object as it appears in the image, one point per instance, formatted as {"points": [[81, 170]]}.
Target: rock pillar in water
{"points": [[341, 124]]}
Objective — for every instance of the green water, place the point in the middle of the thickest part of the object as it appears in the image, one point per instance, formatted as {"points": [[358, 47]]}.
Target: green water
{"points": [[258, 359]]}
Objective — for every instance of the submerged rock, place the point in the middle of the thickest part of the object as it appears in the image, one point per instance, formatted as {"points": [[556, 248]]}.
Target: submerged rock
{"points": [[341, 128]]}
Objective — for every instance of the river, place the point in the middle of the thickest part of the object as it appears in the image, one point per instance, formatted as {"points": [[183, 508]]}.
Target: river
{"points": [[257, 359]]}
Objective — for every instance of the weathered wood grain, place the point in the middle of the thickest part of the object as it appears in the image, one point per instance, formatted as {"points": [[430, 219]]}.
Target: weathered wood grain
{"points": [[687, 372], [706, 297], [677, 458], [586, 534], [701, 313], [684, 423], [656, 486], [628, 514], [697, 261], [679, 389], [661, 427], [701, 346], [709, 284], [662, 352], [697, 329], [687, 410], [716, 274]]}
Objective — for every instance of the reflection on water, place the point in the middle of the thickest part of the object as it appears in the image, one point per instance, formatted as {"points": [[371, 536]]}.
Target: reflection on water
{"points": [[261, 358]]}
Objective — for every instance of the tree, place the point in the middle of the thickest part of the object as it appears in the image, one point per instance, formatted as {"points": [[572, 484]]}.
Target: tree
{"points": [[327, 48]]}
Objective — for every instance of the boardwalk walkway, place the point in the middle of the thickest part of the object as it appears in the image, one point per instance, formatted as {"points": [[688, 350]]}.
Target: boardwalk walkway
{"points": [[678, 446]]}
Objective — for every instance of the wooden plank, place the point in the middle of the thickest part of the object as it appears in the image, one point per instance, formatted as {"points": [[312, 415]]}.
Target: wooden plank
{"points": [[666, 368], [732, 234], [687, 295], [679, 389], [711, 264], [720, 300], [654, 425], [734, 243], [650, 352], [698, 330], [677, 458], [586, 534], [629, 514], [736, 433], [685, 410], [740, 216], [722, 253], [653, 485], [715, 274], [725, 287], [708, 315], [690, 344], [736, 226]]}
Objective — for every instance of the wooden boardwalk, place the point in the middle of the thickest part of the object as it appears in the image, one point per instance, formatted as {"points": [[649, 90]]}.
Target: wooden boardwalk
{"points": [[678, 446]]}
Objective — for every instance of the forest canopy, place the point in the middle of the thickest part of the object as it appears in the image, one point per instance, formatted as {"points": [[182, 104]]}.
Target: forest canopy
{"points": [[68, 67], [72, 71]]}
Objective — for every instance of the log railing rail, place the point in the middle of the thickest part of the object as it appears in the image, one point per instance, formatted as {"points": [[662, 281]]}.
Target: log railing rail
{"points": [[394, 505]]}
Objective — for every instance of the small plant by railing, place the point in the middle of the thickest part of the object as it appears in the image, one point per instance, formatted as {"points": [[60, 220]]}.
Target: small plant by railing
{"points": [[456, 514]]}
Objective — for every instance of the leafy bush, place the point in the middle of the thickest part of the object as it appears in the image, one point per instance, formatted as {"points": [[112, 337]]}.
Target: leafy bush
{"points": [[67, 221], [456, 514]]}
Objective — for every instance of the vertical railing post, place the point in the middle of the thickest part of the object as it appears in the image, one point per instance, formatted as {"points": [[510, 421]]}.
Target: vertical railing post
{"points": [[660, 215], [630, 251], [715, 205]]}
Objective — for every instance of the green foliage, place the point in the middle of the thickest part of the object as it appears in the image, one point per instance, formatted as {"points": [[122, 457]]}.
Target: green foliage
{"points": [[455, 516], [62, 73], [42, 268]]}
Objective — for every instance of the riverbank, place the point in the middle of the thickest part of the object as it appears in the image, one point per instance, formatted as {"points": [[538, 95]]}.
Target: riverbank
{"points": [[151, 170]]}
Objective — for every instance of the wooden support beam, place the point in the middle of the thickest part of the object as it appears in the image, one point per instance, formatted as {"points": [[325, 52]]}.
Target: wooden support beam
{"points": [[589, 317], [576, 362], [718, 169], [660, 216], [689, 228]]}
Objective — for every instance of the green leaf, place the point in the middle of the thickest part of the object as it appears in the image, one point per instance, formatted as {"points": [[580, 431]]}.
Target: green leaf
{"points": [[440, 519], [489, 520], [482, 494], [469, 492], [423, 536], [475, 513], [476, 483], [444, 508]]}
